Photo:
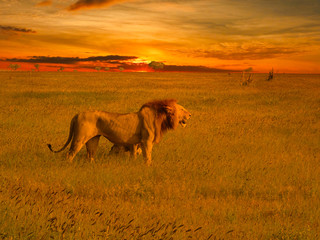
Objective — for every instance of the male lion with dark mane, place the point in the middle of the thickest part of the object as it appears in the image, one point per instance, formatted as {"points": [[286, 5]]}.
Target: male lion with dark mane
{"points": [[144, 128]]}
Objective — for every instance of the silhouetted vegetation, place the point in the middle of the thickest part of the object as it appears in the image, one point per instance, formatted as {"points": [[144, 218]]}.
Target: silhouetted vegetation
{"points": [[246, 78], [270, 76], [156, 65], [14, 67]]}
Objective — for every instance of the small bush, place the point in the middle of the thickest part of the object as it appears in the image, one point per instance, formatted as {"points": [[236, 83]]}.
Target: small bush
{"points": [[270, 77]]}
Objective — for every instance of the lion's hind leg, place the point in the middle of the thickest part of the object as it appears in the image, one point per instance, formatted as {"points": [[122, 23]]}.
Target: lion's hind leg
{"points": [[74, 149], [76, 145], [92, 146]]}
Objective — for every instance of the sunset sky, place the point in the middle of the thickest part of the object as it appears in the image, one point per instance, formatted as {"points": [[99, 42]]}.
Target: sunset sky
{"points": [[186, 35]]}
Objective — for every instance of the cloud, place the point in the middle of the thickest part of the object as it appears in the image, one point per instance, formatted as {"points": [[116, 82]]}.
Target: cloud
{"points": [[80, 4], [174, 68], [71, 60], [117, 60], [190, 68], [44, 3], [246, 51], [16, 29]]}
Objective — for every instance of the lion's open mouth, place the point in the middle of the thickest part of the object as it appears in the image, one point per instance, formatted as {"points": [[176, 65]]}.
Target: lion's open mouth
{"points": [[183, 123]]}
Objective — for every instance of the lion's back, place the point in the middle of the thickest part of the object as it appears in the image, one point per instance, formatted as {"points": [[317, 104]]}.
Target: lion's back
{"points": [[119, 128]]}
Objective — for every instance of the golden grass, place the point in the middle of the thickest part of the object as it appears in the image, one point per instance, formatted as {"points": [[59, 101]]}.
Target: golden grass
{"points": [[245, 167]]}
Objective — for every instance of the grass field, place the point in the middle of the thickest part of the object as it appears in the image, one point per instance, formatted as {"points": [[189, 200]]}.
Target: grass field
{"points": [[245, 167]]}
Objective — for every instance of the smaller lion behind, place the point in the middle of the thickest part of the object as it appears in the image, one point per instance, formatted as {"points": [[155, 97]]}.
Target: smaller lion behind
{"points": [[121, 149], [131, 130]]}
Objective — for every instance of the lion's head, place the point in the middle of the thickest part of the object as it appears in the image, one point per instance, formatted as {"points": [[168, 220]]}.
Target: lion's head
{"points": [[169, 115], [183, 115]]}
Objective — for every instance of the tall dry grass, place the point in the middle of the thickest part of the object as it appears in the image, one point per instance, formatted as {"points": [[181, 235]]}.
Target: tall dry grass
{"points": [[245, 167]]}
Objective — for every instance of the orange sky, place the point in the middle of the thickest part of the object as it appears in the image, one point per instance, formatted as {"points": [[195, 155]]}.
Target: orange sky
{"points": [[195, 35]]}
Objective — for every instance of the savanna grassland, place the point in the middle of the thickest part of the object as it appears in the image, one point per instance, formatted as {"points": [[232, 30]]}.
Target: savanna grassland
{"points": [[245, 167]]}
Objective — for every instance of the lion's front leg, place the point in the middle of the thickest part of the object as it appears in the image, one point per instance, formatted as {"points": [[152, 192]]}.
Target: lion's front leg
{"points": [[147, 150], [147, 143]]}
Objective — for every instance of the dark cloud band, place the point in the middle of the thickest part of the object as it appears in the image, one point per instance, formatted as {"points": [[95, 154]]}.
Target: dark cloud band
{"points": [[188, 68], [71, 60], [113, 60], [177, 68], [16, 29]]}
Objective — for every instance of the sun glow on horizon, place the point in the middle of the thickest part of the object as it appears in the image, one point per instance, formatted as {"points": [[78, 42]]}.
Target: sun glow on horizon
{"points": [[191, 33]]}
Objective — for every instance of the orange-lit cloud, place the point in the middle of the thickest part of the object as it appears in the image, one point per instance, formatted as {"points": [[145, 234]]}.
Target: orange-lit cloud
{"points": [[44, 3], [249, 52], [81, 4]]}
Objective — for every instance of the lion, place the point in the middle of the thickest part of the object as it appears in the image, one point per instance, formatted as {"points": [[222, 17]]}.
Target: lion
{"points": [[145, 127], [123, 149]]}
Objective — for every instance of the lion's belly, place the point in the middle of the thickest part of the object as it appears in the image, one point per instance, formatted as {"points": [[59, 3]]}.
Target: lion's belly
{"points": [[120, 128], [123, 140]]}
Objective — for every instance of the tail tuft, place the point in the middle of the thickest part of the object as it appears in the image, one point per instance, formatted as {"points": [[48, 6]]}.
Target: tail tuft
{"points": [[69, 138], [49, 146]]}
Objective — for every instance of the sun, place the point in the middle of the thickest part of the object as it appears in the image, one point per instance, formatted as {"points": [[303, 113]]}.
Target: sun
{"points": [[140, 61]]}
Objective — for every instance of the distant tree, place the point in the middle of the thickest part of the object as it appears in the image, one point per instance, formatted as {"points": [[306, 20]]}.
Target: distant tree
{"points": [[121, 69], [156, 65], [14, 66], [61, 69], [98, 68], [37, 66], [250, 69], [106, 68]]}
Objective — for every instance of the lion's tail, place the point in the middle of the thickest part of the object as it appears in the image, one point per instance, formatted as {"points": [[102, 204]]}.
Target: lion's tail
{"points": [[71, 131]]}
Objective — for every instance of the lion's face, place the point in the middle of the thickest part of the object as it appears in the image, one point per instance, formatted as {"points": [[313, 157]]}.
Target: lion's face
{"points": [[183, 115]]}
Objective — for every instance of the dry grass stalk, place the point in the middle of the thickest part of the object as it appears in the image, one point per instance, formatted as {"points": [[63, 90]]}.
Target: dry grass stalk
{"points": [[245, 81], [270, 77]]}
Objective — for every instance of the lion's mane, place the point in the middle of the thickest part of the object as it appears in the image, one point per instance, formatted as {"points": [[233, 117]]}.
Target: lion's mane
{"points": [[166, 116]]}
